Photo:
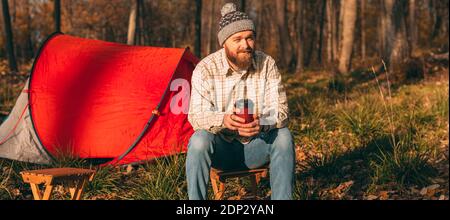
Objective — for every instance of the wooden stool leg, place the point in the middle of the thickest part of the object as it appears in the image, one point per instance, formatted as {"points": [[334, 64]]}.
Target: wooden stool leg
{"points": [[48, 192], [73, 190], [217, 185], [221, 192], [76, 189], [37, 194], [264, 174], [214, 184], [254, 185], [36, 191], [81, 189]]}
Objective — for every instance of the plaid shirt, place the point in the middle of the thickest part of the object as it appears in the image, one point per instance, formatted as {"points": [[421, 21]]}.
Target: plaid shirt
{"points": [[216, 87]]}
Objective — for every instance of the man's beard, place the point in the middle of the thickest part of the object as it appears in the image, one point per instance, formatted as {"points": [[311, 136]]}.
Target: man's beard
{"points": [[242, 59]]}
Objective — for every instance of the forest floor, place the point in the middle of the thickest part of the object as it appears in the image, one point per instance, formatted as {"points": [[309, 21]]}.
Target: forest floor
{"points": [[359, 136]]}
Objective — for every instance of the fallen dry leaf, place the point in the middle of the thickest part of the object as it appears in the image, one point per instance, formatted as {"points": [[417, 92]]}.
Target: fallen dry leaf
{"points": [[433, 187], [431, 193], [372, 197], [384, 195], [423, 191], [344, 186], [340, 190]]}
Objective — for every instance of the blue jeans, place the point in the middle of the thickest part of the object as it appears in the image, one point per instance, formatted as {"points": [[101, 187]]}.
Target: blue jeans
{"points": [[206, 149]]}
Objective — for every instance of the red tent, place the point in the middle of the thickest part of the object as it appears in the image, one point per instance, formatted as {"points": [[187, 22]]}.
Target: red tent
{"points": [[96, 99]]}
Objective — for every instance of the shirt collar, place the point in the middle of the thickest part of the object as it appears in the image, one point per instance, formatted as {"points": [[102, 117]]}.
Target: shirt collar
{"points": [[226, 69]]}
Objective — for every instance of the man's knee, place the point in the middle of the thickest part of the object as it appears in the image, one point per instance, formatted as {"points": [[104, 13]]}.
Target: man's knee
{"points": [[284, 141], [200, 142]]}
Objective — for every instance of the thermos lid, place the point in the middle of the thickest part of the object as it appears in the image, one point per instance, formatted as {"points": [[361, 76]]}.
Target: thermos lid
{"points": [[244, 103]]}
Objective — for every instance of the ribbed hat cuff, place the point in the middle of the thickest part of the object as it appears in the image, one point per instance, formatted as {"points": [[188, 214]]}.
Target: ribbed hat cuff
{"points": [[232, 28]]}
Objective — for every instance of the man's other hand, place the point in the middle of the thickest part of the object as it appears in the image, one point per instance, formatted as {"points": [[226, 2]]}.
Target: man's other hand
{"points": [[236, 123]]}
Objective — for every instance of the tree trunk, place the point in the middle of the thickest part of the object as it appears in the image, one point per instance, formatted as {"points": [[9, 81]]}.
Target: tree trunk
{"points": [[198, 27], [9, 37], [57, 15], [339, 27], [439, 11], [363, 28], [29, 49], [396, 46], [348, 32], [321, 31], [132, 23], [335, 29], [215, 18], [329, 32], [215, 12], [139, 23], [437, 19], [284, 38], [401, 49], [207, 15], [388, 29], [300, 42], [146, 29], [412, 26], [259, 6], [312, 36], [141, 17]]}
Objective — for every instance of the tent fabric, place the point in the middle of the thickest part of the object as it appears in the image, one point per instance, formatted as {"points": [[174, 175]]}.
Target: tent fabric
{"points": [[17, 140], [168, 126], [96, 99]]}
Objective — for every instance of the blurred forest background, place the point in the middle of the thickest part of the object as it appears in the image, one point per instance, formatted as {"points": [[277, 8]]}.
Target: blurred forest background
{"points": [[367, 86], [323, 34]]}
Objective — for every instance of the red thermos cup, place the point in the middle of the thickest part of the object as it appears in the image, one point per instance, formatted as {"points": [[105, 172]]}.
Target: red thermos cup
{"points": [[245, 107]]}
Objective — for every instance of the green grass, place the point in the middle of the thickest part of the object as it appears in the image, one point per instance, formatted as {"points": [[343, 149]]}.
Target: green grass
{"points": [[378, 135], [162, 179], [364, 119], [407, 164]]}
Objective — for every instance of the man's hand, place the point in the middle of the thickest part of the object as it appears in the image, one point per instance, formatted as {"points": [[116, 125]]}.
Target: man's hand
{"points": [[236, 123], [251, 129]]}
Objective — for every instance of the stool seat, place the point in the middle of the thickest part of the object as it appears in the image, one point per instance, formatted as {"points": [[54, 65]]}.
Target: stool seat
{"points": [[75, 178], [218, 178]]}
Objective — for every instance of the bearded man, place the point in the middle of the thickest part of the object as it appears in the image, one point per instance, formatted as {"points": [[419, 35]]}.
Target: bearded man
{"points": [[228, 87]]}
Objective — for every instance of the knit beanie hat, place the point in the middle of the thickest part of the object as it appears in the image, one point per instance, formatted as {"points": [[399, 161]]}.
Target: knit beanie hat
{"points": [[233, 21]]}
